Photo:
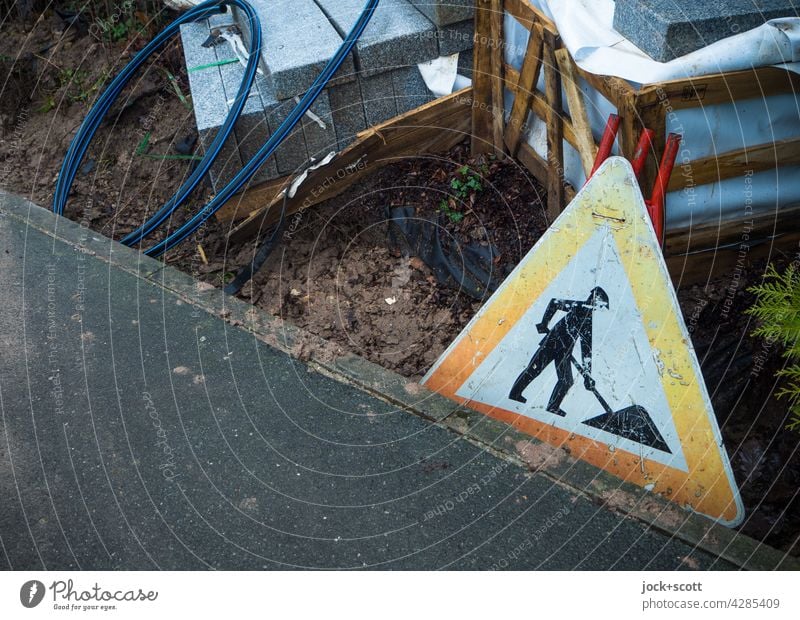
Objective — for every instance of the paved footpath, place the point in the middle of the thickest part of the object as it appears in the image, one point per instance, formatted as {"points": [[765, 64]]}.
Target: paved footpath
{"points": [[141, 431]]}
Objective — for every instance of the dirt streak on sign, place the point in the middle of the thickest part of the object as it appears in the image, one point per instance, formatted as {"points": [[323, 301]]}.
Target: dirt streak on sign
{"points": [[584, 346]]}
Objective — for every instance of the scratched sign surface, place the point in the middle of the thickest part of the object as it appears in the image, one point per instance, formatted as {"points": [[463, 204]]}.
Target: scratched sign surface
{"points": [[584, 346]]}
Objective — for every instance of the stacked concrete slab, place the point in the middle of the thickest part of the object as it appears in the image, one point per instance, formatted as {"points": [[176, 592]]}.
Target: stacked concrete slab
{"points": [[667, 29], [378, 81], [453, 20]]}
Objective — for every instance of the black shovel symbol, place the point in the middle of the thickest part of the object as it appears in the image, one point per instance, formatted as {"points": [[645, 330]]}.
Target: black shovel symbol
{"points": [[632, 422]]}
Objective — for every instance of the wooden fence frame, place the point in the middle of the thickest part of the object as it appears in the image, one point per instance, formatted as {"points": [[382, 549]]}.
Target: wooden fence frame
{"points": [[693, 254], [647, 106]]}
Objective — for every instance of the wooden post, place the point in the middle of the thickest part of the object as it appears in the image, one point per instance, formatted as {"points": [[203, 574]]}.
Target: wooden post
{"points": [[655, 118], [581, 127], [497, 81], [526, 84], [482, 132], [630, 126], [555, 128]]}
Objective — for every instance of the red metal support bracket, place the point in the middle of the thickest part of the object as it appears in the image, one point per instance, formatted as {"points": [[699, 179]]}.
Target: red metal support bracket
{"points": [[656, 203]]}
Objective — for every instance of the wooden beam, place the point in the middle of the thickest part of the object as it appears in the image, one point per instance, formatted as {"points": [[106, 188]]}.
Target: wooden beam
{"points": [[720, 88], [525, 86], [482, 136], [654, 118], [615, 89], [540, 107], [555, 129], [243, 204], [700, 253], [528, 15], [498, 90], [587, 149], [534, 162], [756, 158], [537, 166], [434, 127]]}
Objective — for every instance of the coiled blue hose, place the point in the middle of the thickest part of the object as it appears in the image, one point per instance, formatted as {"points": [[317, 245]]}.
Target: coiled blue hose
{"points": [[88, 128]]}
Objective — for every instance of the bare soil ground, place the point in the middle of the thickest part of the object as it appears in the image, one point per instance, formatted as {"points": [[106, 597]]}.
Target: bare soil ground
{"points": [[336, 274]]}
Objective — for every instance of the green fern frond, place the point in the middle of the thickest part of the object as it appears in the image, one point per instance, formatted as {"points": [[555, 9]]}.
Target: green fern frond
{"points": [[792, 373], [794, 420], [777, 308]]}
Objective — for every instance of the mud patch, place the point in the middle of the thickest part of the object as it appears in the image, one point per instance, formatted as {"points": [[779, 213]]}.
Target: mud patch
{"points": [[540, 455]]}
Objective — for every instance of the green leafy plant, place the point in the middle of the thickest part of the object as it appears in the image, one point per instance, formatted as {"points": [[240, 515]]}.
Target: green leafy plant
{"points": [[118, 21], [452, 214], [466, 182], [49, 104], [177, 89], [777, 307], [144, 145], [465, 185], [77, 84]]}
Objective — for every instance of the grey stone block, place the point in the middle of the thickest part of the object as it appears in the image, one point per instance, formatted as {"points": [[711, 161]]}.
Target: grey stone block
{"points": [[667, 29], [252, 128], [377, 92], [445, 12], [291, 155], [398, 34], [456, 37], [409, 89], [466, 60], [347, 109], [209, 102], [298, 41], [320, 141]]}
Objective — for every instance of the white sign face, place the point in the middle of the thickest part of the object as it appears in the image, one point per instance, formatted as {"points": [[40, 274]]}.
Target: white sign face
{"points": [[624, 371], [584, 347]]}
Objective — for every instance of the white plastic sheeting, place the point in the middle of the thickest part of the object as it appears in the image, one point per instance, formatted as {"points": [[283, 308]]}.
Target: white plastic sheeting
{"points": [[440, 74], [586, 29]]}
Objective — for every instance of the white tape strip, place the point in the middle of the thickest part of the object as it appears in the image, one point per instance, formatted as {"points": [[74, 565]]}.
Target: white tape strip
{"points": [[301, 179], [312, 116], [238, 47]]}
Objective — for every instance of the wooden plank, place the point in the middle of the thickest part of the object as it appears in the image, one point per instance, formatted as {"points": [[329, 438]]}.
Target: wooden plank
{"points": [[243, 204], [720, 88], [654, 118], [434, 127], [615, 89], [712, 235], [751, 159], [697, 254], [482, 136], [539, 169], [540, 107], [555, 129], [528, 15], [701, 268], [498, 89], [536, 164], [587, 149], [630, 127], [525, 85]]}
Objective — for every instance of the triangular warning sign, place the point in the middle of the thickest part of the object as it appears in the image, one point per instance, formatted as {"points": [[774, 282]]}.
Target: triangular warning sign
{"points": [[584, 345]]}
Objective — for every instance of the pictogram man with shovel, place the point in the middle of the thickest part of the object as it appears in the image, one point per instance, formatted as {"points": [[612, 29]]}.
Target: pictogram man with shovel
{"points": [[558, 345]]}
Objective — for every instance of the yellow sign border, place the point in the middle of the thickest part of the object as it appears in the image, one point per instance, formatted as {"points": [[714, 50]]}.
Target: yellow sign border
{"points": [[612, 198]]}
